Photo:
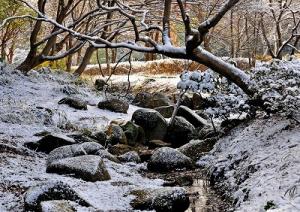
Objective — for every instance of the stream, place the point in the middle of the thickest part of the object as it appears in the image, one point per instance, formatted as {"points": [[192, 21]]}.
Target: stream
{"points": [[203, 198]]}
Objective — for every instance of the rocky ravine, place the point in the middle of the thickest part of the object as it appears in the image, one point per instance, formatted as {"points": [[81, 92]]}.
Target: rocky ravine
{"points": [[58, 151], [66, 148]]}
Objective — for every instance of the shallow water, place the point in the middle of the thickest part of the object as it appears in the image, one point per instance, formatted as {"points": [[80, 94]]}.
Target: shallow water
{"points": [[204, 199]]}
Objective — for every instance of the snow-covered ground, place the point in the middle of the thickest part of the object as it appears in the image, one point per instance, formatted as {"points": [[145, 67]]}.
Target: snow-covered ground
{"points": [[258, 163], [29, 105]]}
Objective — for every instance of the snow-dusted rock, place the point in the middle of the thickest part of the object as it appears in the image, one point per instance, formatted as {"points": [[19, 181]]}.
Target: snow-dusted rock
{"points": [[87, 167], [50, 191], [197, 148], [131, 156], [88, 148], [168, 159], [191, 117], [50, 142], [114, 105], [154, 124], [164, 199], [74, 103], [180, 132]]}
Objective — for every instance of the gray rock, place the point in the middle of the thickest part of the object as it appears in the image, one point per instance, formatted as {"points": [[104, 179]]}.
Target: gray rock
{"points": [[100, 84], [180, 132], [115, 135], [191, 117], [134, 133], [74, 103], [197, 148], [131, 156], [152, 101], [154, 124], [50, 142], [100, 137], [57, 206], [161, 200], [165, 111], [168, 159], [50, 191], [88, 167], [89, 148], [114, 105]]}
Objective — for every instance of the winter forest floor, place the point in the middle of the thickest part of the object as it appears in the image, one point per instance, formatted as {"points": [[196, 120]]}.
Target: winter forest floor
{"points": [[255, 167]]}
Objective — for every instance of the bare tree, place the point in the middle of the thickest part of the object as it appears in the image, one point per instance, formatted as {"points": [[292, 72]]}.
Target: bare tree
{"points": [[132, 17], [281, 19]]}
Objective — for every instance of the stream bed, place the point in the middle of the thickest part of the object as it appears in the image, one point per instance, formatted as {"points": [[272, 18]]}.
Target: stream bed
{"points": [[203, 198]]}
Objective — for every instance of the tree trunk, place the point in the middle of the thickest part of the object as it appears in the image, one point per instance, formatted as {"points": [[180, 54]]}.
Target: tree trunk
{"points": [[85, 61], [229, 71], [107, 61]]}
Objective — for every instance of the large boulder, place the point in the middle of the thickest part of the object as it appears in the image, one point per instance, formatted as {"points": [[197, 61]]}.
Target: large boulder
{"points": [[152, 101], [87, 167], [197, 148], [180, 132], [131, 156], [165, 111], [115, 135], [153, 123], [134, 133], [191, 117], [161, 200], [50, 191], [50, 142], [89, 148], [114, 105], [168, 159], [74, 103]]}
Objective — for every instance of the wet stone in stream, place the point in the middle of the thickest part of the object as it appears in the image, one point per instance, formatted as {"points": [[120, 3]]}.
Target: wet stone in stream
{"points": [[202, 197]]}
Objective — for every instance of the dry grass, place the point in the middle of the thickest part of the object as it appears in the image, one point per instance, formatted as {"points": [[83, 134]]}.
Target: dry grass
{"points": [[167, 66]]}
